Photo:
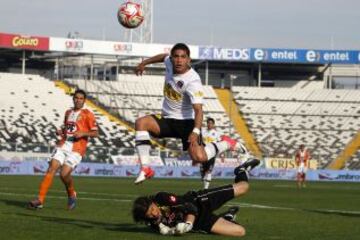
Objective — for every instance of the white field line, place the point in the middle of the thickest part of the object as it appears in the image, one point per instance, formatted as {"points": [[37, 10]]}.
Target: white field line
{"points": [[243, 205], [294, 186]]}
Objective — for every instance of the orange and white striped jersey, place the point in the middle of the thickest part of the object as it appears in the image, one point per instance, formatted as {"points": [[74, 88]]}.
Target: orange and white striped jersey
{"points": [[82, 120], [302, 156]]}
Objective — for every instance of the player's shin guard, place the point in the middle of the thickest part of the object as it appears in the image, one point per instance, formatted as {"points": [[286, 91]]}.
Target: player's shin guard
{"points": [[143, 145]]}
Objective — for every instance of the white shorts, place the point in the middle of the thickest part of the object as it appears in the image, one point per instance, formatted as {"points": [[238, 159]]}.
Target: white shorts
{"points": [[72, 159], [302, 168]]}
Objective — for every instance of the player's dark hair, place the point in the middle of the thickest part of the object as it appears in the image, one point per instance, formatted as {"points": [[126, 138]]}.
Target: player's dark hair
{"points": [[180, 46], [80, 91], [210, 120], [140, 207]]}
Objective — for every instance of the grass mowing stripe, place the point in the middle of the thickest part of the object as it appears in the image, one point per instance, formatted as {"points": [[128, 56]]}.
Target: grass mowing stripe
{"points": [[242, 204]]}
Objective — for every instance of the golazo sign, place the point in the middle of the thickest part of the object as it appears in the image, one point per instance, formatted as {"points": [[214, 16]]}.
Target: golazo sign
{"points": [[24, 42]]}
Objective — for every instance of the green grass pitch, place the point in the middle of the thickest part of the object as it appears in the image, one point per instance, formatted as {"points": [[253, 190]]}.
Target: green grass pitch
{"points": [[271, 210]]}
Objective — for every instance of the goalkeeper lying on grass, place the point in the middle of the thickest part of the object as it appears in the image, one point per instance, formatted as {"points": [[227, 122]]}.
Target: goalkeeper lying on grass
{"points": [[175, 215]]}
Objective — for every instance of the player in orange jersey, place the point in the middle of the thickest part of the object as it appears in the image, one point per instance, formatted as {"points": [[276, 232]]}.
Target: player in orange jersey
{"points": [[302, 158], [79, 125]]}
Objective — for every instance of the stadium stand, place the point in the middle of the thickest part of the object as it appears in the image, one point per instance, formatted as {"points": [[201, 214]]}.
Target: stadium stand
{"points": [[278, 118], [283, 118], [32, 108]]}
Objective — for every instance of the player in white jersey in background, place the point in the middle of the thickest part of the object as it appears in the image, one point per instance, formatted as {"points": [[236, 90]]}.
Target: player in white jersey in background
{"points": [[209, 135], [182, 112], [302, 158]]}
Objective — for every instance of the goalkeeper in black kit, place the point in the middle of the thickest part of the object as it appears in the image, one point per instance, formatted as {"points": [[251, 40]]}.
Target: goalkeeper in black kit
{"points": [[172, 214]]}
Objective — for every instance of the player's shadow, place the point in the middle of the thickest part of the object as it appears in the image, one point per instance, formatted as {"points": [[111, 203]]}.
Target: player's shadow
{"points": [[20, 204], [335, 212], [123, 227]]}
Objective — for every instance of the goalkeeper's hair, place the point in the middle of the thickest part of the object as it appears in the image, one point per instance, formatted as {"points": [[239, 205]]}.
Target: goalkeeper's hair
{"points": [[140, 207]]}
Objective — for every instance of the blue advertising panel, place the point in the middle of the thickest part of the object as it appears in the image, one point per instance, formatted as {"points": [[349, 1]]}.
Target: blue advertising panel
{"points": [[304, 56], [279, 55], [213, 53]]}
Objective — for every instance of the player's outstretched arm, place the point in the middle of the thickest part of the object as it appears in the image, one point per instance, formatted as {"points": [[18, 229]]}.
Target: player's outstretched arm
{"points": [[155, 59]]}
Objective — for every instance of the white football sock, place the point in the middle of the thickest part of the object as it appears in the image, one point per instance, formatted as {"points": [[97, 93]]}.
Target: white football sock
{"points": [[207, 180], [142, 140]]}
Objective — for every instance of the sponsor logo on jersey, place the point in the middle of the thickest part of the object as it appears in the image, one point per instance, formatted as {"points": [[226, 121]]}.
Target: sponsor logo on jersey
{"points": [[171, 93]]}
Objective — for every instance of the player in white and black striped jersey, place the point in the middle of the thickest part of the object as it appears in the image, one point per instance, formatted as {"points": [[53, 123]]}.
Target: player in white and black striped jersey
{"points": [[182, 112], [209, 135]]}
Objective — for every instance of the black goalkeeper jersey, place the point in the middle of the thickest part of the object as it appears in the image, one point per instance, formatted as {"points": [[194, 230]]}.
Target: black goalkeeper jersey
{"points": [[174, 208]]}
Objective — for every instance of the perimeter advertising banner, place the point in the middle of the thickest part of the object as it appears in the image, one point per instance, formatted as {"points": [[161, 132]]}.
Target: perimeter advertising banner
{"points": [[24, 42], [287, 163], [112, 48], [111, 170], [280, 55]]}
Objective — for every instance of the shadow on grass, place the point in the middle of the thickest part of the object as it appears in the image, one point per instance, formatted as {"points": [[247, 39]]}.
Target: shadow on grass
{"points": [[335, 212], [88, 224], [15, 203]]}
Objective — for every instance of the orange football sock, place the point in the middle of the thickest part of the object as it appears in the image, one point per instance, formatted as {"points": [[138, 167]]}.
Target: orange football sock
{"points": [[45, 185]]}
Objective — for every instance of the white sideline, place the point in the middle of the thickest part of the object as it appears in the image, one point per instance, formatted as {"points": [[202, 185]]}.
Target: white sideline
{"points": [[242, 205]]}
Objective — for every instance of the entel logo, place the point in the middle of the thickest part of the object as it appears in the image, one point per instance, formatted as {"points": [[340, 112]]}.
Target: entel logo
{"points": [[312, 56], [260, 54]]}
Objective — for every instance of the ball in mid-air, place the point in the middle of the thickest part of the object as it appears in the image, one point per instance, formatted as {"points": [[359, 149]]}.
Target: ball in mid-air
{"points": [[130, 15]]}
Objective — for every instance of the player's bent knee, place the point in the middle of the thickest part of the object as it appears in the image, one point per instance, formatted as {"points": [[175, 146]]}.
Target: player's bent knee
{"points": [[197, 154], [241, 188], [140, 123], [241, 232]]}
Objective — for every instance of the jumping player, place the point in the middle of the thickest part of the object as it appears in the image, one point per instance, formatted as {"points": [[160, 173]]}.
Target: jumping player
{"points": [[182, 112], [79, 125]]}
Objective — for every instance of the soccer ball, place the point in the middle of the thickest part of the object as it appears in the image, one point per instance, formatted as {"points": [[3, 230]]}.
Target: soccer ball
{"points": [[130, 15]]}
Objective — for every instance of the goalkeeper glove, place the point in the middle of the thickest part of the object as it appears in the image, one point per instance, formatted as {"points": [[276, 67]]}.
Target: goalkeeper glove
{"points": [[165, 230], [183, 227]]}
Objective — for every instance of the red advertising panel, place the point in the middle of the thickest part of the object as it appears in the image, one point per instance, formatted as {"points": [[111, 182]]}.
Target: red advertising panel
{"points": [[24, 42]]}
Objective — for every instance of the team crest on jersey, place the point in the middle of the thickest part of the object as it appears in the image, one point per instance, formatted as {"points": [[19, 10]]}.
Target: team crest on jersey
{"points": [[172, 199], [71, 127], [180, 84]]}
